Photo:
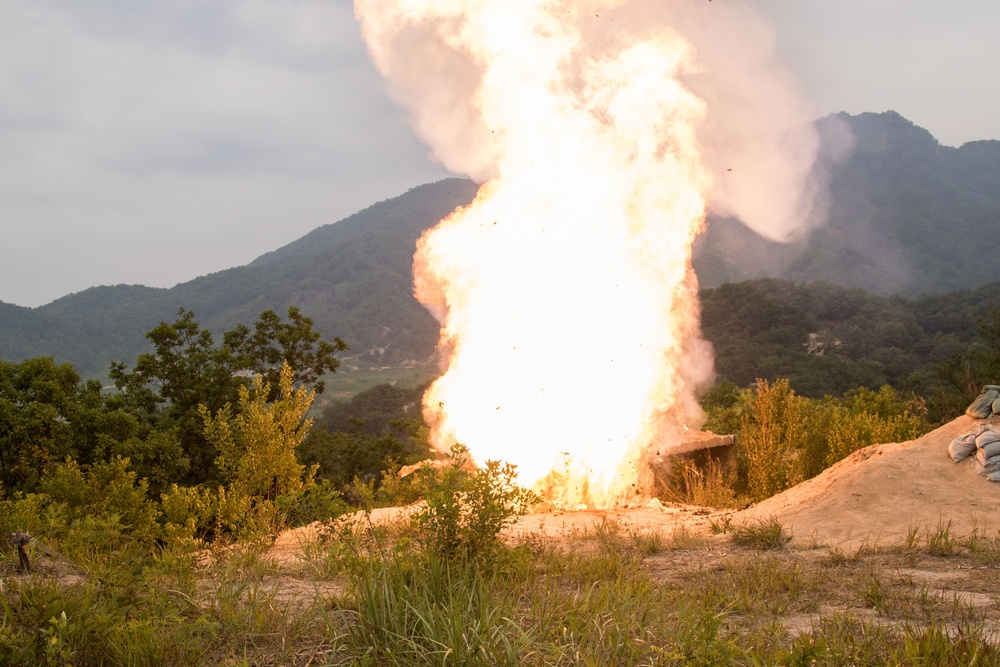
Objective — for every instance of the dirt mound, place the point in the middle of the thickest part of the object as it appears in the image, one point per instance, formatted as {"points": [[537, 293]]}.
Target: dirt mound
{"points": [[874, 497], [879, 494]]}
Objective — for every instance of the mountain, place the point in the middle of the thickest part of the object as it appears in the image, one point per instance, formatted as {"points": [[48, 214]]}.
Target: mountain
{"points": [[905, 216], [352, 277]]}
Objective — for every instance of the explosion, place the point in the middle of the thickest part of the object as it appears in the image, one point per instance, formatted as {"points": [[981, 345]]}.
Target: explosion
{"points": [[568, 305]]}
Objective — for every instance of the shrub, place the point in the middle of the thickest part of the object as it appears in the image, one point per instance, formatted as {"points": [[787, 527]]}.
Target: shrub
{"points": [[769, 433], [103, 490], [257, 445], [465, 510], [318, 501], [868, 417], [189, 513], [257, 456]]}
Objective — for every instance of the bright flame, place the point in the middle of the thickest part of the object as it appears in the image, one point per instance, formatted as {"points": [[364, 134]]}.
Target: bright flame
{"points": [[565, 290]]}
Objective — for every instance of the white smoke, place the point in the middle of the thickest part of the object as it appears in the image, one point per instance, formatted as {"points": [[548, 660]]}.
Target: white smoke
{"points": [[604, 130], [756, 139]]}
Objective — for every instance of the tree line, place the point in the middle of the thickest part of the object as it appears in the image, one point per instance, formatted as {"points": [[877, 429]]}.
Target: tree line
{"points": [[828, 340], [213, 438]]}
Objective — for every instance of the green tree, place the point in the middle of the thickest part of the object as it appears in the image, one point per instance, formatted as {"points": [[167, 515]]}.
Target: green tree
{"points": [[962, 375], [256, 444], [166, 387], [343, 456], [187, 370], [47, 413], [724, 406], [273, 343]]}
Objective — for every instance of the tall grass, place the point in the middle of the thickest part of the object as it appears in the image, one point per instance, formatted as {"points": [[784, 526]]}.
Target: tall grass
{"points": [[612, 595], [444, 614]]}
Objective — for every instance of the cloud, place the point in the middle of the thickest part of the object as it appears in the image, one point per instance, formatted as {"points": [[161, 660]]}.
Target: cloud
{"points": [[188, 136]]}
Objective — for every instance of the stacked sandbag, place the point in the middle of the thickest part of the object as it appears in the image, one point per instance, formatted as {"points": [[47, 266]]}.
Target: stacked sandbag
{"points": [[988, 451], [964, 445], [984, 442], [987, 405]]}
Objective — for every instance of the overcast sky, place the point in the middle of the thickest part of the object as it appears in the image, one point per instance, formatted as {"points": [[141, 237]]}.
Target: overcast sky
{"points": [[153, 142]]}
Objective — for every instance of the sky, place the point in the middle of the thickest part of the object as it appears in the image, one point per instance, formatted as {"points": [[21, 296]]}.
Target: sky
{"points": [[151, 142]]}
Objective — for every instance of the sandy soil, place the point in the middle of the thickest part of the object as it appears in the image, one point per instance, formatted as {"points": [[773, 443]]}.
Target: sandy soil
{"points": [[880, 493], [873, 498]]}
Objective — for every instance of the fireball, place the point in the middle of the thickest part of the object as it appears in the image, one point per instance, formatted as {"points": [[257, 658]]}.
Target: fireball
{"points": [[567, 302]]}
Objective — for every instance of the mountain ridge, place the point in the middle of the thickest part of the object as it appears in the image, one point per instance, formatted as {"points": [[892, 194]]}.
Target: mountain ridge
{"points": [[906, 216]]}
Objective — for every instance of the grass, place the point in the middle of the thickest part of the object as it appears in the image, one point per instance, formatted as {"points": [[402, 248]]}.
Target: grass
{"points": [[612, 595], [940, 541], [762, 534]]}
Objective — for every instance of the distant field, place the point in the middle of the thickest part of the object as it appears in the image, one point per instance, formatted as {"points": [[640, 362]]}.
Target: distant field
{"points": [[343, 385]]}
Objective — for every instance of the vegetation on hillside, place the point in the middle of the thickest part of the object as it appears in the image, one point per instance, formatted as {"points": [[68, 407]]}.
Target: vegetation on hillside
{"points": [[353, 277], [827, 339], [906, 216], [148, 512]]}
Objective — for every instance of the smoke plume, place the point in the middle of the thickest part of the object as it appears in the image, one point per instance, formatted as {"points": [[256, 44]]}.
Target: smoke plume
{"points": [[603, 131]]}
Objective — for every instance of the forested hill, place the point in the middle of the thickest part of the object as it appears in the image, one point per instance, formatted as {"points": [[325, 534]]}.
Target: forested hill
{"points": [[353, 278], [827, 339], [906, 216]]}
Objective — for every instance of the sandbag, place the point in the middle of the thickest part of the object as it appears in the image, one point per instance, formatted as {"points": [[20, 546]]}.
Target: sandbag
{"points": [[962, 447], [991, 465], [982, 407], [992, 449], [983, 458], [987, 438], [996, 407], [993, 476]]}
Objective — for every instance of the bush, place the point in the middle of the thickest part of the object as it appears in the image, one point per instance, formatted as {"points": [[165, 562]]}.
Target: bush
{"points": [[785, 439], [466, 511], [257, 457], [189, 514], [318, 501], [769, 434], [87, 514], [868, 417], [102, 491]]}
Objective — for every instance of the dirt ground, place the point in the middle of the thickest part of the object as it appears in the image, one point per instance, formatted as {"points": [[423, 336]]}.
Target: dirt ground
{"points": [[861, 535], [878, 497]]}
